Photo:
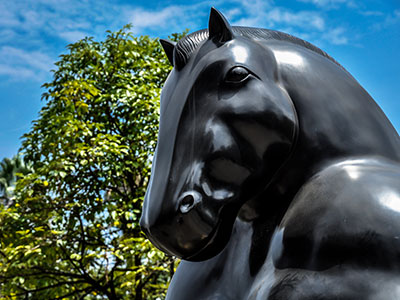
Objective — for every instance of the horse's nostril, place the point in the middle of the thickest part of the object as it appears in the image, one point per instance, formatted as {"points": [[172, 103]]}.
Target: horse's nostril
{"points": [[188, 201], [186, 204]]}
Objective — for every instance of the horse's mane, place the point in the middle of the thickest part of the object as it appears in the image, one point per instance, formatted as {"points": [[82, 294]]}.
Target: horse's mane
{"points": [[188, 44]]}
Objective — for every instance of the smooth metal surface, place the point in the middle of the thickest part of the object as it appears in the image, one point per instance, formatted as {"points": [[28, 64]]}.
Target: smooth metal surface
{"points": [[276, 175]]}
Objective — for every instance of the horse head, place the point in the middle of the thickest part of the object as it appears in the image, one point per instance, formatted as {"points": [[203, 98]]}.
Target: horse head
{"points": [[226, 127]]}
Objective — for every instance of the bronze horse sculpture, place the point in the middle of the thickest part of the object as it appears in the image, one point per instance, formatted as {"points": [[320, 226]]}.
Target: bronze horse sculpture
{"points": [[276, 175]]}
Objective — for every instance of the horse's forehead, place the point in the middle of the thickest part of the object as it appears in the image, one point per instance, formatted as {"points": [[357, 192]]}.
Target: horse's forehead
{"points": [[239, 50]]}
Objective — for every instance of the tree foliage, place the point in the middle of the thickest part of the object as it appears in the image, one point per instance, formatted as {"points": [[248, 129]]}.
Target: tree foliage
{"points": [[73, 232], [10, 171]]}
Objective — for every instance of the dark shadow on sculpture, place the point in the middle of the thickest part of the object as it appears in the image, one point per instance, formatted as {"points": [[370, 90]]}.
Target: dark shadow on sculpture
{"points": [[276, 175]]}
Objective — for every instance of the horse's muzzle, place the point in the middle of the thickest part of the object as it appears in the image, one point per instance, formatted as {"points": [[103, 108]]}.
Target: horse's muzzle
{"points": [[185, 228]]}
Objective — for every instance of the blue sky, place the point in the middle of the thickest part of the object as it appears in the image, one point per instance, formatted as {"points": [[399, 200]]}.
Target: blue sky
{"points": [[363, 35]]}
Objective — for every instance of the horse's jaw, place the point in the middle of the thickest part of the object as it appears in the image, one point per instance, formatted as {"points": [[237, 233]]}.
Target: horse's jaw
{"points": [[194, 214], [197, 228], [214, 244]]}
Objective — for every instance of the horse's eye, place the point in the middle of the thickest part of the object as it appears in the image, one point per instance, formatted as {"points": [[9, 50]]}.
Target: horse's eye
{"points": [[237, 75]]}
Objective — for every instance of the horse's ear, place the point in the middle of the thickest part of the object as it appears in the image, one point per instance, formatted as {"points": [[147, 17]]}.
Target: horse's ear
{"points": [[169, 49], [218, 27]]}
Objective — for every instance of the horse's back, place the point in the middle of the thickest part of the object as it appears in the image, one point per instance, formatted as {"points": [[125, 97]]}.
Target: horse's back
{"points": [[340, 238], [349, 212]]}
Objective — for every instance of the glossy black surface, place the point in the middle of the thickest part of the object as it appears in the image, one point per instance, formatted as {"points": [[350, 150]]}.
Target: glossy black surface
{"points": [[276, 175]]}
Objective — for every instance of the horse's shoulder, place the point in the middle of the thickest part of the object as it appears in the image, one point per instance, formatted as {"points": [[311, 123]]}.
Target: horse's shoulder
{"points": [[363, 180], [348, 212]]}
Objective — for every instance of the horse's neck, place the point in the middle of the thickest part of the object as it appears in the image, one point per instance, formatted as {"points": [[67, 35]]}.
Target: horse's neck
{"points": [[336, 116], [227, 275], [337, 119]]}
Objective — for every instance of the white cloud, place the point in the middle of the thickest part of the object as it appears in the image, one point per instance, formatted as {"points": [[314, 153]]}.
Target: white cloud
{"points": [[307, 24], [7, 16], [279, 17], [256, 13], [7, 34], [255, 7], [32, 18], [57, 18], [324, 2], [20, 63], [174, 18], [33, 33], [232, 13], [336, 36], [18, 73], [392, 19], [302, 19], [27, 28], [372, 13], [34, 59], [72, 36], [162, 18], [329, 4]]}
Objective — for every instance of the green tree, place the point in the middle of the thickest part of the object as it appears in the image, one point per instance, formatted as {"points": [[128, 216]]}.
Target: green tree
{"points": [[10, 170], [73, 232]]}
